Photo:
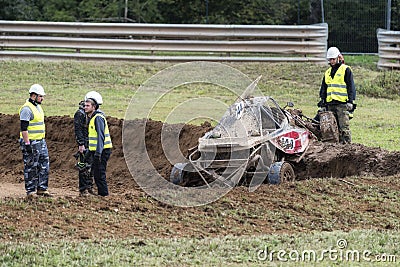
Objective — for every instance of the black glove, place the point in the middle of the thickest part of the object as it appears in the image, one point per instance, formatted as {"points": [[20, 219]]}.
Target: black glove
{"points": [[28, 149], [321, 104]]}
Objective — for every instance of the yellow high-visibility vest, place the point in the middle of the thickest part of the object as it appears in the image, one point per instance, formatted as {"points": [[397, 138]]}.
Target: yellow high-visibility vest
{"points": [[337, 89], [93, 134], [36, 127]]}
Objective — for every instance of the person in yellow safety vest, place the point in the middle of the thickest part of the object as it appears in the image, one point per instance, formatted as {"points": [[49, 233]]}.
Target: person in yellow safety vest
{"points": [[33, 145], [338, 93], [99, 140]]}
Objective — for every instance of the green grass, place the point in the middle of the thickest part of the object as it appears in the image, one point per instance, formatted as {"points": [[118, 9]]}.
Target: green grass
{"points": [[354, 248], [365, 61], [66, 83]]}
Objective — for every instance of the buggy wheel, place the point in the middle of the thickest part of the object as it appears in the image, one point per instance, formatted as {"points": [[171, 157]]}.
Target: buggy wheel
{"points": [[281, 172], [328, 127], [177, 173], [286, 173]]}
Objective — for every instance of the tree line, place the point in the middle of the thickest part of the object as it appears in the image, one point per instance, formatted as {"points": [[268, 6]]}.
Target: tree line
{"points": [[354, 20], [164, 11]]}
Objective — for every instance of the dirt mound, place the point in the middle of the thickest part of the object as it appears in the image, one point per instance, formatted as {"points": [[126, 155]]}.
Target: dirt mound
{"points": [[321, 159], [61, 144], [334, 160]]}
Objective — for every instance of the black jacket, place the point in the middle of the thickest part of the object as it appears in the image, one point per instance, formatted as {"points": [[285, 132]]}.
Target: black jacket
{"points": [[81, 127]]}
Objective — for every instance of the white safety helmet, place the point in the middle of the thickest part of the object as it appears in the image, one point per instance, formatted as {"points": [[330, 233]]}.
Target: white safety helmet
{"points": [[37, 89], [333, 52], [95, 96]]}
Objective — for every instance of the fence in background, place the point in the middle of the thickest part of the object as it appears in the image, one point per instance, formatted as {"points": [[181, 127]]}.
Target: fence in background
{"points": [[163, 42], [353, 24], [389, 49]]}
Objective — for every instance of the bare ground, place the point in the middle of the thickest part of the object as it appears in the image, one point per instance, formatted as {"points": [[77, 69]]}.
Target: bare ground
{"points": [[361, 192]]}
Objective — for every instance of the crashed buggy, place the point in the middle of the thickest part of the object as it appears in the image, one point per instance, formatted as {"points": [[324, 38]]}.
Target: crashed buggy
{"points": [[256, 140]]}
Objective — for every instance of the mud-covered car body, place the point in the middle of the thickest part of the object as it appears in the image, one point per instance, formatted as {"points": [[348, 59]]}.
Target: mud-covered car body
{"points": [[255, 140]]}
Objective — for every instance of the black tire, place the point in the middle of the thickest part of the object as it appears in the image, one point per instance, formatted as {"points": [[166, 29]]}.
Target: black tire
{"points": [[177, 173], [328, 127], [281, 172], [286, 173]]}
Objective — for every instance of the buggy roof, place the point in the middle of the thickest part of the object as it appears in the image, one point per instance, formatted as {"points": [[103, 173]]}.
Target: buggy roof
{"points": [[253, 116]]}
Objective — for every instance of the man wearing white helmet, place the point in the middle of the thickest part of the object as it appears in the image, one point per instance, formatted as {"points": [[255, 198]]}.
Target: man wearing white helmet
{"points": [[85, 176], [33, 144], [338, 93], [99, 140]]}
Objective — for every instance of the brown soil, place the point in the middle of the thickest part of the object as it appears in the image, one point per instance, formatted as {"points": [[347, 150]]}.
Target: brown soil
{"points": [[130, 212]]}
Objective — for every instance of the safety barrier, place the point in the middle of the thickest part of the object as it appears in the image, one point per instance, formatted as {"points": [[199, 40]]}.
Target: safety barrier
{"points": [[170, 42], [389, 49]]}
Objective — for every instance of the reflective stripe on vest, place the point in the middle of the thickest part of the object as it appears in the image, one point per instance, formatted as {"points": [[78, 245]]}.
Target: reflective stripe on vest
{"points": [[337, 89], [36, 127], [93, 134]]}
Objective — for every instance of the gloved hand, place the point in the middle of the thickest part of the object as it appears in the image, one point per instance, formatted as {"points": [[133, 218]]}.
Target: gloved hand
{"points": [[28, 149], [97, 157], [321, 103], [349, 106]]}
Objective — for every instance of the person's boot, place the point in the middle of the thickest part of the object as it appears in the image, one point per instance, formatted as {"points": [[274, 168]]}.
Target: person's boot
{"points": [[43, 193], [90, 191], [84, 193]]}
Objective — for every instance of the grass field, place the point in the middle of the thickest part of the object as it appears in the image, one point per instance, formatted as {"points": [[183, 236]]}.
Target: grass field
{"points": [[363, 248], [376, 123]]}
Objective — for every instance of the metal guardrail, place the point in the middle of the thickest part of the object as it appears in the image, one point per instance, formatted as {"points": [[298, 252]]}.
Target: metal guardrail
{"points": [[388, 49], [213, 42]]}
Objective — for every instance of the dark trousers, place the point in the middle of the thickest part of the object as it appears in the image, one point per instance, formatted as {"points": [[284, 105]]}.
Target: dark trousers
{"points": [[343, 120], [99, 172], [86, 175], [36, 166]]}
